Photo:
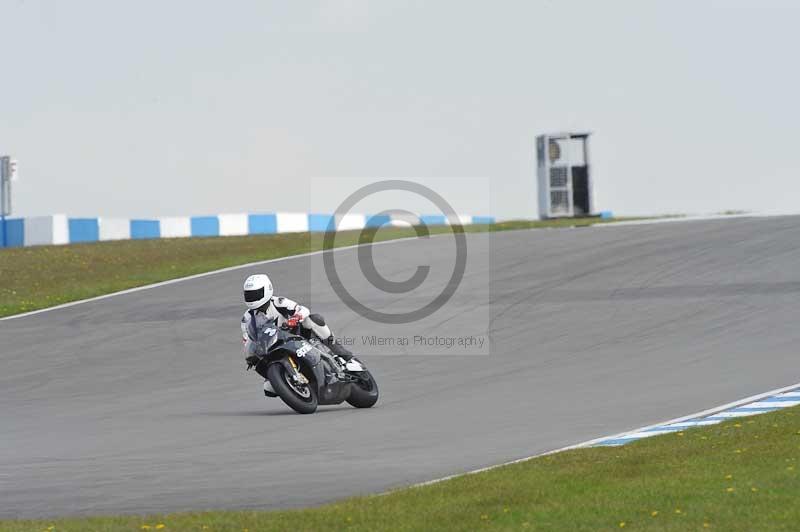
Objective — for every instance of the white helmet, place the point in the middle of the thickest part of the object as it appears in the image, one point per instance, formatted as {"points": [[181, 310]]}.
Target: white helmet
{"points": [[257, 290]]}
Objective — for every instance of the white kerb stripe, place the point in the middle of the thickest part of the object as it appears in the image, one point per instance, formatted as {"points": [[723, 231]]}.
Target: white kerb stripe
{"points": [[700, 423], [737, 414], [766, 403], [639, 435]]}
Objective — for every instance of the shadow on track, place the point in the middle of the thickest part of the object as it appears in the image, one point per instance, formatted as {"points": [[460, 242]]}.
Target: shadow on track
{"points": [[287, 412]]}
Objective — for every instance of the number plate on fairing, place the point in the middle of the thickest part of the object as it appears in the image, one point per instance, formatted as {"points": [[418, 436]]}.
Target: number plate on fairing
{"points": [[303, 350]]}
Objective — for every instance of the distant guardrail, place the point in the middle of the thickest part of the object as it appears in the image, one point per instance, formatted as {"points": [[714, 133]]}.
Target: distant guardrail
{"points": [[61, 229]]}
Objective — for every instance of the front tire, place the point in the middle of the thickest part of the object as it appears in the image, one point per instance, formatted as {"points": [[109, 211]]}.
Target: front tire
{"points": [[364, 394], [280, 380]]}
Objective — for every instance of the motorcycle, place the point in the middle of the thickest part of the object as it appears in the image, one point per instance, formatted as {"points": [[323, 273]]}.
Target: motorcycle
{"points": [[303, 372]]}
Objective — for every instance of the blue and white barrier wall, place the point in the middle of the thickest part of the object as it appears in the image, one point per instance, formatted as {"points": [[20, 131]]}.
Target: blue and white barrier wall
{"points": [[60, 229]]}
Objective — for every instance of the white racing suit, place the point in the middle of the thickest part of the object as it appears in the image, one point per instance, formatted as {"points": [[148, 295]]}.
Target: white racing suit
{"points": [[282, 309]]}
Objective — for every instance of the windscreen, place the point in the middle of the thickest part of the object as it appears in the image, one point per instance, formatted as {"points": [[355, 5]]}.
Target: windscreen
{"points": [[262, 333]]}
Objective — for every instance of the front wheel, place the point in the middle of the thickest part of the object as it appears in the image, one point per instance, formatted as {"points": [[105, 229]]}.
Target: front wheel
{"points": [[300, 398], [364, 393]]}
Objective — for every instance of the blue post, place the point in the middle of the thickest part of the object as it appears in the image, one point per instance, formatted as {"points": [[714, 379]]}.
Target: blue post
{"points": [[3, 217]]}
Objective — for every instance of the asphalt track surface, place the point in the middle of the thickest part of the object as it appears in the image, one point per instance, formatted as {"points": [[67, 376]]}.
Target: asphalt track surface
{"points": [[140, 403]]}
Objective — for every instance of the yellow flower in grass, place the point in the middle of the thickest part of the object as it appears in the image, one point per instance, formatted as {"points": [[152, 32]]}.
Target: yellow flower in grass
{"points": [[678, 511], [622, 524], [728, 477], [159, 526], [753, 489], [706, 525], [729, 490], [654, 513], [484, 517]]}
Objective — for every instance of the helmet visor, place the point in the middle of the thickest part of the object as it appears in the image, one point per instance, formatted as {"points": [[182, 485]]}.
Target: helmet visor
{"points": [[251, 296]]}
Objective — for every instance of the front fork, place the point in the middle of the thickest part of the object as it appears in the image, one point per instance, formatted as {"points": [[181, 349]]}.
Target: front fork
{"points": [[297, 377]]}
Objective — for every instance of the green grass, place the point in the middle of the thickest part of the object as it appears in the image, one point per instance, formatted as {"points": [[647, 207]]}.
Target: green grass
{"points": [[738, 476], [38, 277]]}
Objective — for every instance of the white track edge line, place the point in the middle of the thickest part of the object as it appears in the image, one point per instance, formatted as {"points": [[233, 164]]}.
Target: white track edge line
{"points": [[209, 273], [589, 443], [688, 218]]}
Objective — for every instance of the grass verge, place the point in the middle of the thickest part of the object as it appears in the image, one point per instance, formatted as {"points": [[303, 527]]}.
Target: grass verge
{"points": [[739, 475], [38, 277]]}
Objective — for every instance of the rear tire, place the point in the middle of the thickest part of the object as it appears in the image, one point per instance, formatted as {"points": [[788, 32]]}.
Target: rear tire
{"points": [[278, 377], [364, 395]]}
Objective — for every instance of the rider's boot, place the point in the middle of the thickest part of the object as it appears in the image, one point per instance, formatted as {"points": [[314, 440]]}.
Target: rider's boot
{"points": [[338, 349]]}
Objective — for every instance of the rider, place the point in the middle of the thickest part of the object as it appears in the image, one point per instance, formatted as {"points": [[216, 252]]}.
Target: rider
{"points": [[259, 299]]}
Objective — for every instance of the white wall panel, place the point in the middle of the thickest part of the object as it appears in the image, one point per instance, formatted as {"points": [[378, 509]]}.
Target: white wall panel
{"points": [[232, 224], [60, 229], [175, 227], [292, 222], [404, 220], [114, 228], [38, 231], [351, 221]]}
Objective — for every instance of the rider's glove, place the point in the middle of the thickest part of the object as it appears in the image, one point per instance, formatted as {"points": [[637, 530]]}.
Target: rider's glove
{"points": [[292, 321]]}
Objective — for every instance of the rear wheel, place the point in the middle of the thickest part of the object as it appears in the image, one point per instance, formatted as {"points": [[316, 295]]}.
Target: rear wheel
{"points": [[364, 393], [301, 398]]}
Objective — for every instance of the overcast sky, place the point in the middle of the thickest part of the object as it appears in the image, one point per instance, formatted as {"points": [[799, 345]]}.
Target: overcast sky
{"points": [[152, 108]]}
